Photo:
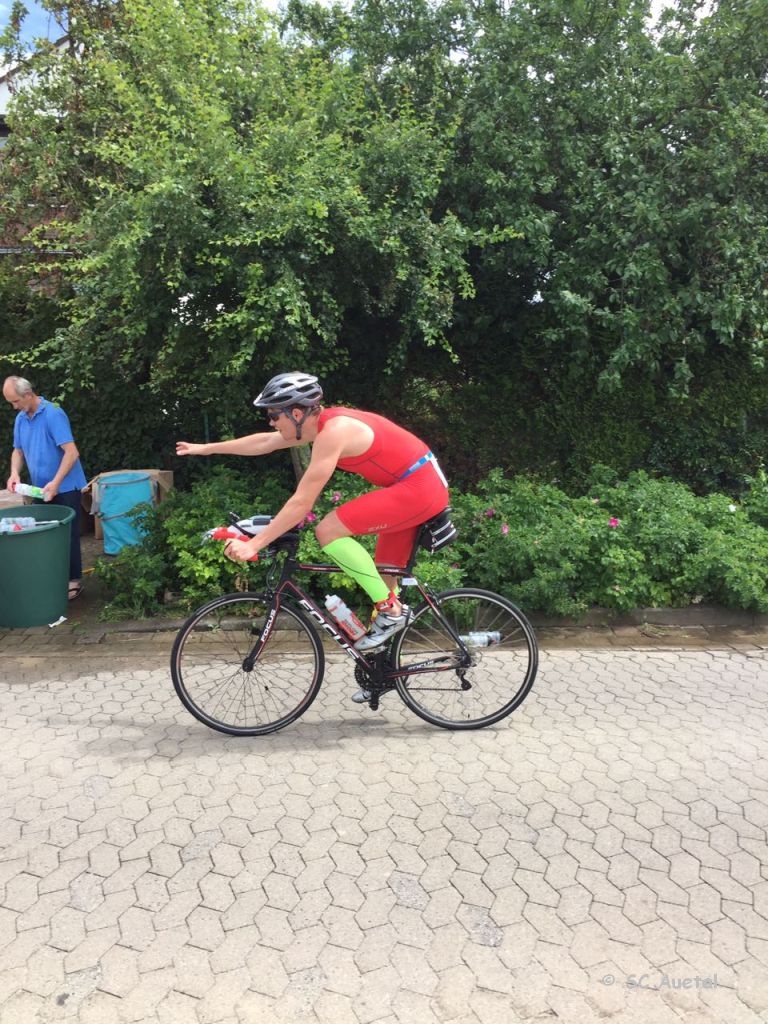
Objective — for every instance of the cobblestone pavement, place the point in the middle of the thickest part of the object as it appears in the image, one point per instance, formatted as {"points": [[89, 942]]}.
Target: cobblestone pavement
{"points": [[600, 855]]}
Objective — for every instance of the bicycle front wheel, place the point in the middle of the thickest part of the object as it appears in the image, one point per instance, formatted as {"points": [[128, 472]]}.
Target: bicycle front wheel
{"points": [[473, 689], [228, 684]]}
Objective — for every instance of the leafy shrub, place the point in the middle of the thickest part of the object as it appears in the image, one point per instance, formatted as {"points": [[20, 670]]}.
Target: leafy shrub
{"points": [[625, 544], [755, 498], [136, 576], [172, 557], [642, 542]]}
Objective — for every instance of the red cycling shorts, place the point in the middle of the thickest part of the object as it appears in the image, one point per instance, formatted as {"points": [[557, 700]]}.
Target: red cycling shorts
{"points": [[396, 513]]}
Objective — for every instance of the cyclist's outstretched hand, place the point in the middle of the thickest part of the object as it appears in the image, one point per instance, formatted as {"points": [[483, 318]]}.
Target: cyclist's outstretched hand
{"points": [[188, 448]]}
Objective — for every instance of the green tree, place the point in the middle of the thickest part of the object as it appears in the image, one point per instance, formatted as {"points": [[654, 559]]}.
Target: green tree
{"points": [[631, 165], [223, 223], [536, 230]]}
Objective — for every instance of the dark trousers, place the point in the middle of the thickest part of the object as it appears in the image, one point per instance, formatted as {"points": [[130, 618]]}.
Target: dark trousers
{"points": [[71, 499]]}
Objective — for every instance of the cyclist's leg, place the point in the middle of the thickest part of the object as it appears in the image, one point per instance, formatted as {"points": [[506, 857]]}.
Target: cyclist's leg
{"points": [[402, 507], [394, 548], [396, 512], [337, 542]]}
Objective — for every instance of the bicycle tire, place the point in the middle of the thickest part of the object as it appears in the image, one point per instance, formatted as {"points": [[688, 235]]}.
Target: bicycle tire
{"points": [[438, 696], [212, 682]]}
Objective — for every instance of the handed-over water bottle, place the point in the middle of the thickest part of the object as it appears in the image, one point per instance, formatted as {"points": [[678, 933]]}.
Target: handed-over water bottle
{"points": [[29, 491], [346, 618]]}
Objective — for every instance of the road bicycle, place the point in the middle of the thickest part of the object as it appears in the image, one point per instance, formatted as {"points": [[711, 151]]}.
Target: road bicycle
{"points": [[248, 664]]}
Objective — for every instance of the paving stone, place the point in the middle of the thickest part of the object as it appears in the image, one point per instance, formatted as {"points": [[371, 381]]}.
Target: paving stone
{"points": [[374, 1000], [375, 909], [142, 1001], [591, 944], [340, 971], [45, 972], [705, 903], [175, 1007], [223, 996], [728, 941], [451, 997], [375, 950], [446, 947], [88, 953], [204, 928], [413, 1008], [414, 969], [192, 967], [410, 926], [333, 1008], [574, 905], [161, 952], [119, 971]]}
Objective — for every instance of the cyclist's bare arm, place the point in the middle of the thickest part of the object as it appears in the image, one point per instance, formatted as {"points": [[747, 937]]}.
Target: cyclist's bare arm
{"points": [[326, 452], [251, 444]]}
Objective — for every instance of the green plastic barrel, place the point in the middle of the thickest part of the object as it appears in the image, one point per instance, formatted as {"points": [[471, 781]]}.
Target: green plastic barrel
{"points": [[34, 567]]}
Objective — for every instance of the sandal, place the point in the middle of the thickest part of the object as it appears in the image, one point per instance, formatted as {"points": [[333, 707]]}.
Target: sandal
{"points": [[75, 590]]}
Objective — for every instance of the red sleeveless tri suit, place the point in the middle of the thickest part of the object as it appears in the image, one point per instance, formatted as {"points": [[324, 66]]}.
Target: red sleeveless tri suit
{"points": [[413, 486]]}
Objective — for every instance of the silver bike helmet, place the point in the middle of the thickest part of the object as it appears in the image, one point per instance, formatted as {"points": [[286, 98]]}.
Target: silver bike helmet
{"points": [[290, 389], [286, 391]]}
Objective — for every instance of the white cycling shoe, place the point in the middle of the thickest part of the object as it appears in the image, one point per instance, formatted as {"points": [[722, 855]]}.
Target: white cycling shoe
{"points": [[383, 627]]}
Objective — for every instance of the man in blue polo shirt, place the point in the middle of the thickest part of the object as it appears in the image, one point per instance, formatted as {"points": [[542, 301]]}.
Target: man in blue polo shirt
{"points": [[42, 437]]}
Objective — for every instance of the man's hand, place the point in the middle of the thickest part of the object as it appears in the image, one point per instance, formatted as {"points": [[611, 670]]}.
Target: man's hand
{"points": [[50, 491], [188, 448], [242, 550], [13, 479]]}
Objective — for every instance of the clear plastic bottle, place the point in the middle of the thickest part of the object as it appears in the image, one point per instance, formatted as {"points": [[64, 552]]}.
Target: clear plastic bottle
{"points": [[481, 639], [14, 524], [28, 491], [346, 618]]}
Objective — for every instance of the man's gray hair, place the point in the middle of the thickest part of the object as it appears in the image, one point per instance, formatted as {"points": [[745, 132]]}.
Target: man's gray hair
{"points": [[21, 384]]}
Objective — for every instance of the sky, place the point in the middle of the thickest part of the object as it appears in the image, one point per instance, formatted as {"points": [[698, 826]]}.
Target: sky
{"points": [[38, 22]]}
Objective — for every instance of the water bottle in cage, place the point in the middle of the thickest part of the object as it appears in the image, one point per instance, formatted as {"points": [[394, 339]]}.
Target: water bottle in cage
{"points": [[481, 639], [345, 617]]}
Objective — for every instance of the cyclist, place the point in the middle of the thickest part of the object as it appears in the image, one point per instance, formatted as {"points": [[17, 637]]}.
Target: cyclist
{"points": [[412, 488]]}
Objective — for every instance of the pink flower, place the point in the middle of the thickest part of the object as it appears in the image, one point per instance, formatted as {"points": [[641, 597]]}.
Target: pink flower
{"points": [[613, 522], [505, 529], [335, 497], [490, 512], [595, 501], [311, 517]]}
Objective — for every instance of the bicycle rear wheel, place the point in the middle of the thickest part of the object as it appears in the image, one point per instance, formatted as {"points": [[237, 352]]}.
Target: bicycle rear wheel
{"points": [[473, 692], [215, 680]]}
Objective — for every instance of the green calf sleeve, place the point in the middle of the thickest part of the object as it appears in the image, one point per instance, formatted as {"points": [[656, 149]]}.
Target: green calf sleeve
{"points": [[351, 556]]}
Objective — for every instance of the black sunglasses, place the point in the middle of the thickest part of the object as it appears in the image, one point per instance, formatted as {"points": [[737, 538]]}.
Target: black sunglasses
{"points": [[273, 416]]}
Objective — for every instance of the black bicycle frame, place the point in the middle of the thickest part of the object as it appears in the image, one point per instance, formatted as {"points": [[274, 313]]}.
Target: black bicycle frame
{"points": [[286, 585]]}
